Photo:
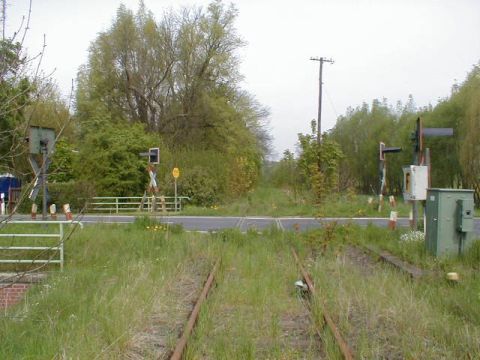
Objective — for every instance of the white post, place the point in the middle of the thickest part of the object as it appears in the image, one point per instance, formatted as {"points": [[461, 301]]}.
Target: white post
{"points": [[53, 211], [2, 200], [176, 208]]}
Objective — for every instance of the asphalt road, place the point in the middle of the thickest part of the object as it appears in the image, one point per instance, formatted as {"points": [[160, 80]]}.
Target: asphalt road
{"points": [[214, 223]]}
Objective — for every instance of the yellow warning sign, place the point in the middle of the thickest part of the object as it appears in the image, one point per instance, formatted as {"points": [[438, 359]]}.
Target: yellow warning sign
{"points": [[176, 173]]}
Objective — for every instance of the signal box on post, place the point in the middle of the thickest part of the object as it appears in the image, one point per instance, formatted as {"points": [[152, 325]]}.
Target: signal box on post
{"points": [[154, 155], [415, 182]]}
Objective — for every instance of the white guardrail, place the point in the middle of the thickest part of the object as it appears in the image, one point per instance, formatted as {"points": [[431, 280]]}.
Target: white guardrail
{"points": [[116, 204], [57, 246]]}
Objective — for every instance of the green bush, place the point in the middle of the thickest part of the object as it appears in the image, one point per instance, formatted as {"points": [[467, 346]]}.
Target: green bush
{"points": [[200, 186], [75, 193]]}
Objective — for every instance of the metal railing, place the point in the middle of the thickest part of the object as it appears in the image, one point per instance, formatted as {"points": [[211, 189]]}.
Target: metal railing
{"points": [[57, 246], [117, 204]]}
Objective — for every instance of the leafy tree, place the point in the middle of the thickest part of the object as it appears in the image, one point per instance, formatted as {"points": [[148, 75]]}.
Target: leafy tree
{"points": [[174, 75], [358, 133], [109, 159], [285, 173], [469, 125], [320, 163], [178, 77], [61, 169], [15, 93]]}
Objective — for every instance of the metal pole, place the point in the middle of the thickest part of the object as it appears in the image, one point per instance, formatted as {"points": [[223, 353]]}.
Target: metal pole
{"points": [[424, 203], [382, 184], [176, 208], [44, 183], [427, 163], [417, 159], [319, 117], [61, 247]]}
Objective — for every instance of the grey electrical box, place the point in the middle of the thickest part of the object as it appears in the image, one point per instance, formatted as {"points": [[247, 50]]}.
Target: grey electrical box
{"points": [[449, 221], [465, 211]]}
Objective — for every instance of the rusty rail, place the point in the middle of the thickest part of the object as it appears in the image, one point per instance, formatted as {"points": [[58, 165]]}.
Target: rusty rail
{"points": [[411, 270], [342, 344], [182, 342]]}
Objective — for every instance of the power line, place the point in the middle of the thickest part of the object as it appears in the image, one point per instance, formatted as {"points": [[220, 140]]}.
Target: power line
{"points": [[331, 103], [321, 60]]}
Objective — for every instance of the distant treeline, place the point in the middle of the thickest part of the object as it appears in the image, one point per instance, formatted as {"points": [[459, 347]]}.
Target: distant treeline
{"points": [[455, 160]]}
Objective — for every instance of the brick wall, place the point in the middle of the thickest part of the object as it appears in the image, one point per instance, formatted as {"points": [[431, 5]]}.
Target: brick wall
{"points": [[13, 287], [11, 294]]}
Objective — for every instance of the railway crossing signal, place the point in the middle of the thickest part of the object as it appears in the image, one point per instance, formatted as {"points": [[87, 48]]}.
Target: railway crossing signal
{"points": [[383, 169], [421, 157], [382, 151], [41, 140], [38, 177], [154, 156], [418, 136]]}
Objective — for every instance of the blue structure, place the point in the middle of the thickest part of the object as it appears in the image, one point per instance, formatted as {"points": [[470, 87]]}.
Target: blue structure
{"points": [[8, 181]]}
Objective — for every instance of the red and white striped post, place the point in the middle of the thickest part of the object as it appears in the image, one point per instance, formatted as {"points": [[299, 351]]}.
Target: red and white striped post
{"points": [[53, 211], [67, 211], [392, 223], [34, 211]]}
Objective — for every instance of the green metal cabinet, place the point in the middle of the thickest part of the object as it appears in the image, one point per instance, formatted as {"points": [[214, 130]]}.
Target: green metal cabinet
{"points": [[449, 221]]}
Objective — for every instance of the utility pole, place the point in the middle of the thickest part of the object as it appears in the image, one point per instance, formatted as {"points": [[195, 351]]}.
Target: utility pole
{"points": [[321, 60]]}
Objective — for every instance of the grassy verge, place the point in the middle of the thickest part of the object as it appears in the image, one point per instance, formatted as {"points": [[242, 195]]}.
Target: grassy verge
{"points": [[119, 279], [385, 314], [270, 201], [113, 278], [462, 298]]}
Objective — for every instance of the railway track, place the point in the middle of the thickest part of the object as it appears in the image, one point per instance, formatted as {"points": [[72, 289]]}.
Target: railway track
{"points": [[342, 344], [411, 270], [187, 331], [293, 325]]}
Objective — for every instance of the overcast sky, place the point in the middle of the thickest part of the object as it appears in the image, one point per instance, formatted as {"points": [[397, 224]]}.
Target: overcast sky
{"points": [[381, 48]]}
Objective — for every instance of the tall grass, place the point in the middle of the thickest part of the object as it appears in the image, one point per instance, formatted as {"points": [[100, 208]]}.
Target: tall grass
{"points": [[112, 278], [385, 314], [248, 315], [271, 201], [116, 277]]}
